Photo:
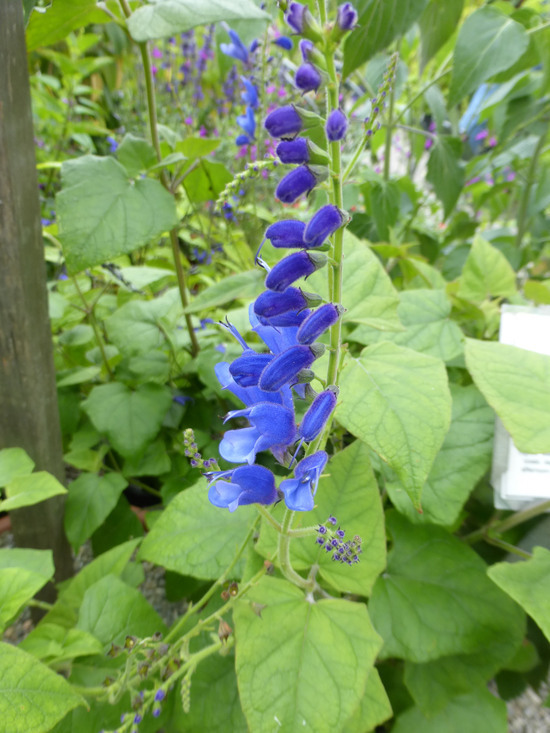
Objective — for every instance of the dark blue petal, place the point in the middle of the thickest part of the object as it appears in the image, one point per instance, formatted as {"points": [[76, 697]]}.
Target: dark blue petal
{"points": [[283, 122], [298, 182], [284, 42], [337, 125], [285, 367], [323, 224], [278, 339], [286, 233], [270, 304], [292, 268], [246, 369], [308, 79], [293, 151], [318, 413], [346, 18], [318, 322]]}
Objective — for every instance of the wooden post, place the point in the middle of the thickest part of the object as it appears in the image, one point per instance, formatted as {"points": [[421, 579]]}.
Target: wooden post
{"points": [[29, 415]]}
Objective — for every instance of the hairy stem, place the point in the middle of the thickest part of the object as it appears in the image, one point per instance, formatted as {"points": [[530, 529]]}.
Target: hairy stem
{"points": [[284, 555]]}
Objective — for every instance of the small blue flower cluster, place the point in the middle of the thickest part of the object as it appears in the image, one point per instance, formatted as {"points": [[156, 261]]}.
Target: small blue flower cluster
{"points": [[237, 50], [333, 542], [283, 318]]}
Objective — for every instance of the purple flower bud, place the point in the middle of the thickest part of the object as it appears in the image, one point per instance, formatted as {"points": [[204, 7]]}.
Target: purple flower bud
{"points": [[318, 414], [318, 322], [299, 491], [289, 320], [302, 22], [308, 79], [323, 224], [284, 368], [247, 485], [346, 18], [286, 233], [254, 45], [299, 181], [247, 122], [159, 695], [306, 49], [270, 304], [337, 125], [293, 151], [246, 369], [242, 140], [283, 122], [284, 42], [293, 267]]}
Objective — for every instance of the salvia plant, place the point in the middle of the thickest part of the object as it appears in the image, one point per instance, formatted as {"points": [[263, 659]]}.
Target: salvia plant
{"points": [[275, 320]]}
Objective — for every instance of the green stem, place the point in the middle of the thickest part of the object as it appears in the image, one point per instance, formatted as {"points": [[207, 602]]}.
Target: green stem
{"points": [[284, 555], [153, 129], [336, 197], [523, 219], [35, 603], [417, 131], [508, 547], [93, 323], [389, 134], [269, 517], [538, 28], [504, 525], [421, 93]]}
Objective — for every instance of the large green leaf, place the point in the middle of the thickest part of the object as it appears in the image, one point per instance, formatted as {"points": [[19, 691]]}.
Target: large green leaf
{"points": [[375, 707], [103, 213], [349, 491], [90, 501], [437, 24], [488, 42], [435, 599], [486, 273], [206, 181], [164, 18], [463, 459], [529, 584], [516, 383], [136, 154], [428, 328], [130, 419], [445, 171], [193, 537], [50, 642], [479, 711], [312, 673], [380, 21], [14, 462], [368, 293], [111, 610], [30, 489], [398, 402], [22, 574], [32, 697], [243, 285], [59, 19]]}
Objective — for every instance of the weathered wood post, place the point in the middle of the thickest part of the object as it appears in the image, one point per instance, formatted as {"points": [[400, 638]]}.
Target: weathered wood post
{"points": [[29, 415]]}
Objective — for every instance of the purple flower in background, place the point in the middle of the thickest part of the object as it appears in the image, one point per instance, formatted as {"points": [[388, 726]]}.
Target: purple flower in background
{"points": [[346, 18], [299, 491], [284, 42], [337, 125], [247, 122], [236, 49], [246, 485], [250, 96]]}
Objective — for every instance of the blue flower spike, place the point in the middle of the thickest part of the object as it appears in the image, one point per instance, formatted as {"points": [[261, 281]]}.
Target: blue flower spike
{"points": [[236, 49], [284, 368], [300, 490]]}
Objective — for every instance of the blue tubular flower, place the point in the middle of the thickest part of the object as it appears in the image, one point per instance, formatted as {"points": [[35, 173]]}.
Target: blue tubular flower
{"points": [[292, 268], [272, 428], [323, 224], [236, 49], [293, 151], [247, 485], [299, 181], [318, 414], [302, 22], [337, 125], [246, 369], [250, 95], [284, 42], [308, 79], [247, 122], [306, 49], [242, 140], [299, 491], [286, 233], [283, 122], [318, 322], [250, 395], [281, 338], [284, 368], [270, 304]]}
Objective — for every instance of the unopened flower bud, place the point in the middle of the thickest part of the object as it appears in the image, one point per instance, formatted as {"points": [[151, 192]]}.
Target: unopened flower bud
{"points": [[346, 17], [246, 369], [298, 182], [292, 268], [323, 224], [285, 366], [284, 122], [302, 21], [286, 233], [318, 322], [337, 125], [270, 304], [308, 79], [301, 150], [318, 414]]}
